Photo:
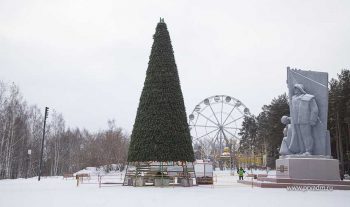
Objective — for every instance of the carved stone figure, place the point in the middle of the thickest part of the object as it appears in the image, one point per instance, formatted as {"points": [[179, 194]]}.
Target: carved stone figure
{"points": [[287, 132], [304, 115], [305, 149], [308, 104]]}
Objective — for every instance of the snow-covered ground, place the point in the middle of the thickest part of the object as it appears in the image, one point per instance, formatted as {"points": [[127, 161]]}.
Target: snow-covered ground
{"points": [[57, 192], [102, 170]]}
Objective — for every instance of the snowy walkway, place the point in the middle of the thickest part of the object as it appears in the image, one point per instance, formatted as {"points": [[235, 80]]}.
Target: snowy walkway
{"points": [[56, 192]]}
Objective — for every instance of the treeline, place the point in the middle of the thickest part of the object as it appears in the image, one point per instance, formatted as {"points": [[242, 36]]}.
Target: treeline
{"points": [[65, 150], [339, 118], [263, 135]]}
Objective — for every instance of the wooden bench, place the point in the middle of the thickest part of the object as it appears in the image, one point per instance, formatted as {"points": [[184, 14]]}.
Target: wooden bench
{"points": [[204, 180]]}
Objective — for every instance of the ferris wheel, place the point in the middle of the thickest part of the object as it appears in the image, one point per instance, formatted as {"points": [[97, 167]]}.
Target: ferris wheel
{"points": [[216, 121]]}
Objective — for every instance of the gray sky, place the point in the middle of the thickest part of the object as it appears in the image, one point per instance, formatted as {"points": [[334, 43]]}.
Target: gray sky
{"points": [[87, 59]]}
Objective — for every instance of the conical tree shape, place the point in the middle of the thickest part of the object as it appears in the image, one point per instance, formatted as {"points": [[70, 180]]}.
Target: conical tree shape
{"points": [[161, 131]]}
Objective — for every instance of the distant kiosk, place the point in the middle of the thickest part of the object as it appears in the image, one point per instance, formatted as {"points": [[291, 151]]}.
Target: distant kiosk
{"points": [[226, 159]]}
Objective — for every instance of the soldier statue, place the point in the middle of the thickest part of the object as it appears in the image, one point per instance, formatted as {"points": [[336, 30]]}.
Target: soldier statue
{"points": [[304, 115]]}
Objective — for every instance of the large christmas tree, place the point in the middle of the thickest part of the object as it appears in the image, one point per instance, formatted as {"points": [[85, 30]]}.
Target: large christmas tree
{"points": [[161, 131]]}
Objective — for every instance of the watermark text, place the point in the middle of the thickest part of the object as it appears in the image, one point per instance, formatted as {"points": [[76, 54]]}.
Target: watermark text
{"points": [[309, 188]]}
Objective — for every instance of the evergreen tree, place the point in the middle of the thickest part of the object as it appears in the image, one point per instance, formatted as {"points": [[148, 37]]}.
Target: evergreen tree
{"points": [[161, 131], [339, 118], [278, 108], [270, 128], [264, 133], [248, 142]]}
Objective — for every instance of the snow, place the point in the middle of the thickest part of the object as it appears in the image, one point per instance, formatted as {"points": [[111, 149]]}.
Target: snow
{"points": [[59, 192], [102, 170]]}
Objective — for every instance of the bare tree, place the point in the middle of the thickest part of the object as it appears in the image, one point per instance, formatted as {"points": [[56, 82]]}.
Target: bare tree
{"points": [[66, 150]]}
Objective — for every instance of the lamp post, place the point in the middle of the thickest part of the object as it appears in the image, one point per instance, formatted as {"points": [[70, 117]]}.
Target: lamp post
{"points": [[42, 142]]}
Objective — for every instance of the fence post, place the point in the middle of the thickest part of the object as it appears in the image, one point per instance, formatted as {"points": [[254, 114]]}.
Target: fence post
{"points": [[77, 178]]}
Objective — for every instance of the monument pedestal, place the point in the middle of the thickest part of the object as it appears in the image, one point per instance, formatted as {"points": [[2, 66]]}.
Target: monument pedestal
{"points": [[307, 171], [313, 167]]}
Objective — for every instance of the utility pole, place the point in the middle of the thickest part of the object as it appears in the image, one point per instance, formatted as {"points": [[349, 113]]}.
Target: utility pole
{"points": [[42, 142]]}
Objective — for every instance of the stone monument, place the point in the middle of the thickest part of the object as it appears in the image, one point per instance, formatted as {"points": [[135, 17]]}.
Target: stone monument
{"points": [[305, 149]]}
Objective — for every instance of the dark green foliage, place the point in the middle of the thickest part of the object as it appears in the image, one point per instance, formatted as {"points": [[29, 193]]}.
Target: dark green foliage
{"points": [[161, 131], [270, 126], [249, 142], [339, 118], [264, 133]]}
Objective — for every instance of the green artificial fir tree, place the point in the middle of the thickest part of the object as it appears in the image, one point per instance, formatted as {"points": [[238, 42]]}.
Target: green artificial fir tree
{"points": [[161, 131]]}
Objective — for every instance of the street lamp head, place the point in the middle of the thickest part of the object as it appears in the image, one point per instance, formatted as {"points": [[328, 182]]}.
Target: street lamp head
{"points": [[46, 112]]}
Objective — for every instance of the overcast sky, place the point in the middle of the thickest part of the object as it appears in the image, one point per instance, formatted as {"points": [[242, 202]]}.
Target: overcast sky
{"points": [[87, 59]]}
